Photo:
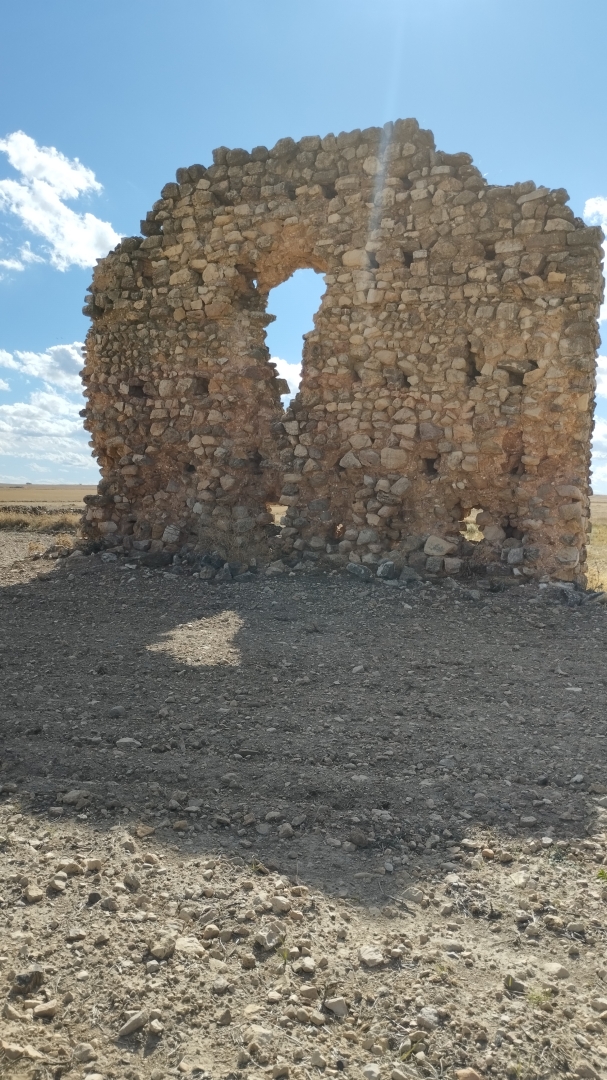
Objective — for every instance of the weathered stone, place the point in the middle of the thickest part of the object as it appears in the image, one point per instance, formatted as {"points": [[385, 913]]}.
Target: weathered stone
{"points": [[514, 985], [437, 546], [427, 1019], [189, 946], [27, 982], [33, 894], [359, 571], [370, 956], [413, 895], [386, 570], [134, 1023], [408, 574], [270, 937], [84, 1052], [426, 379], [336, 1005], [46, 1009], [556, 971], [162, 948]]}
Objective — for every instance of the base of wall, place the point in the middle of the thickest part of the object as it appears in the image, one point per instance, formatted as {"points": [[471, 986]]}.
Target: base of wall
{"points": [[416, 557]]}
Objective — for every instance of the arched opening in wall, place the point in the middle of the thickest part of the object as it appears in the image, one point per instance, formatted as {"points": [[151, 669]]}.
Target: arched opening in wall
{"points": [[294, 303]]}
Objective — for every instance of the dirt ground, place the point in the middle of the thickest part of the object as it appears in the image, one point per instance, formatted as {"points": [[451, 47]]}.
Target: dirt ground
{"points": [[299, 825]]}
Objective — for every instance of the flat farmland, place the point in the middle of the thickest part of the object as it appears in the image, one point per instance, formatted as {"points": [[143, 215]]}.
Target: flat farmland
{"points": [[597, 547], [50, 495]]}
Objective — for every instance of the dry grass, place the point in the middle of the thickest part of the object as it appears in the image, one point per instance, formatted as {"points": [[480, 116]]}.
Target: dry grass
{"points": [[63, 543], [597, 557], [40, 523]]}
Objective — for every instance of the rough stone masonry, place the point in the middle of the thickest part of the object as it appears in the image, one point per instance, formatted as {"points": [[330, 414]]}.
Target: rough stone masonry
{"points": [[451, 366]]}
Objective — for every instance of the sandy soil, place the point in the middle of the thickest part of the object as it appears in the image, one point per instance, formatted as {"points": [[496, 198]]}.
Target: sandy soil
{"points": [[428, 762]]}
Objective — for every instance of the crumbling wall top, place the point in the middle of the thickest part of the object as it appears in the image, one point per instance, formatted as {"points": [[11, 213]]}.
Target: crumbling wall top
{"points": [[450, 368]]}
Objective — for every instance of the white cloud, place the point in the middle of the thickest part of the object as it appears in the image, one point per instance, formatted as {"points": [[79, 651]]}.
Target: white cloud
{"points": [[24, 257], [45, 428], [7, 360], [290, 372], [46, 431], [68, 178], [595, 210], [599, 453], [58, 366], [601, 376], [12, 264], [4, 385], [47, 178], [595, 213]]}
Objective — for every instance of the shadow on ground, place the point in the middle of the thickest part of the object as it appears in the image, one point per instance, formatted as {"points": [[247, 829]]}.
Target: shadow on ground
{"points": [[350, 734], [299, 824]]}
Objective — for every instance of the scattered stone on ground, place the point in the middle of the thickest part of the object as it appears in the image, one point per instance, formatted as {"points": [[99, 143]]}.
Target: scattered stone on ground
{"points": [[15, 546], [437, 905]]}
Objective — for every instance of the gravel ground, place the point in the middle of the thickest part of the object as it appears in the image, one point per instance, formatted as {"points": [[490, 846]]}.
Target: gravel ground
{"points": [[14, 546], [315, 765]]}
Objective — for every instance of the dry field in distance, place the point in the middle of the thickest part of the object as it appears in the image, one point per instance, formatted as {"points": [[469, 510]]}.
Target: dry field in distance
{"points": [[597, 548], [42, 508], [48, 495]]}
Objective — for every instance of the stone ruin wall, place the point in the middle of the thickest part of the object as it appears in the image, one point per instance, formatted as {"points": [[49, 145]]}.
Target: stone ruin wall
{"points": [[451, 365]]}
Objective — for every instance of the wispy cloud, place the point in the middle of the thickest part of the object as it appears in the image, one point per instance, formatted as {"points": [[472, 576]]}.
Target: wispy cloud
{"points": [[4, 385], [47, 178], [24, 257]]}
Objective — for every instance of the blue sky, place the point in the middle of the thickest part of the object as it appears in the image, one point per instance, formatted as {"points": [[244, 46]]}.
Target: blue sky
{"points": [[134, 90]]}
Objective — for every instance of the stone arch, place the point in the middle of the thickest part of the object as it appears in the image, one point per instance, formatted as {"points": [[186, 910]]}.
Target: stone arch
{"points": [[457, 333]]}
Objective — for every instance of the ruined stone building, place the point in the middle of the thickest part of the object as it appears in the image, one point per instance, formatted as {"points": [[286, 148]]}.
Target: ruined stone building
{"points": [[451, 365]]}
